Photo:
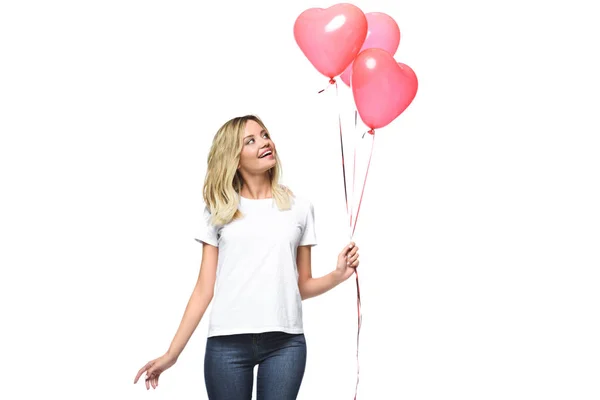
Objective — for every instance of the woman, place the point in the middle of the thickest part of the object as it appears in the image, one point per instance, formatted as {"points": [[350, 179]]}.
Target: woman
{"points": [[256, 269]]}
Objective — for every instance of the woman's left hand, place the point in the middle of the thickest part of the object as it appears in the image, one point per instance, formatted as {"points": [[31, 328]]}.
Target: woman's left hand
{"points": [[347, 261]]}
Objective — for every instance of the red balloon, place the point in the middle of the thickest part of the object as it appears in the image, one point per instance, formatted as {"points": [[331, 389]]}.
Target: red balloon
{"points": [[382, 88], [382, 33], [332, 37]]}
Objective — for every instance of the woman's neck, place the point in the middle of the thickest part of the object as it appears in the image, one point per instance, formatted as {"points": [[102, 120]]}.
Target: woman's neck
{"points": [[258, 187]]}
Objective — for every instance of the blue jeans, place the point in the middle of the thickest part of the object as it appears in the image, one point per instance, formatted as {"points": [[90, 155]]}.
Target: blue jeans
{"points": [[229, 364]]}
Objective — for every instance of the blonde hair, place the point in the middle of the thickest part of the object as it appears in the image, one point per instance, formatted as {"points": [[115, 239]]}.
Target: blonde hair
{"points": [[223, 182]]}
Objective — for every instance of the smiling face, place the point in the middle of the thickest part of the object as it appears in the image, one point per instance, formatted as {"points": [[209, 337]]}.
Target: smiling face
{"points": [[258, 150]]}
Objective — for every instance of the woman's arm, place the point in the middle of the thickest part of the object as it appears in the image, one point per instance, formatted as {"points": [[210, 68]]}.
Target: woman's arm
{"points": [[199, 300], [309, 286]]}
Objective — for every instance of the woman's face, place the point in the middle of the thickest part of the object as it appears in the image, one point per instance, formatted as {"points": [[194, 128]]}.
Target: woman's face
{"points": [[258, 150]]}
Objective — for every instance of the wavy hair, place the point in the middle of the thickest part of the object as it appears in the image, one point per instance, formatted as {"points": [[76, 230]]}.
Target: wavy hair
{"points": [[223, 181]]}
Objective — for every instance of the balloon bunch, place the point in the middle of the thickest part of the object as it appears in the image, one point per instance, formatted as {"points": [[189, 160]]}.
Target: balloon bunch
{"points": [[359, 48], [343, 41]]}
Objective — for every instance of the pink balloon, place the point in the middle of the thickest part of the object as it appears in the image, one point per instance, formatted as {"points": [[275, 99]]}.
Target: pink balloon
{"points": [[382, 33], [382, 88], [332, 37]]}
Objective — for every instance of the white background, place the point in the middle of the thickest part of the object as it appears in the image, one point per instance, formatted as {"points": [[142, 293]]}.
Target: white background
{"points": [[479, 231]]}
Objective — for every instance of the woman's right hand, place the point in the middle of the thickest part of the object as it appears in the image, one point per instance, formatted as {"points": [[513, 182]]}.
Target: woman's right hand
{"points": [[154, 368]]}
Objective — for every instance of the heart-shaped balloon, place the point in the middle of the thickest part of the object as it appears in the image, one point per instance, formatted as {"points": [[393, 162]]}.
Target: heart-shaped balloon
{"points": [[382, 33], [382, 87], [331, 37]]}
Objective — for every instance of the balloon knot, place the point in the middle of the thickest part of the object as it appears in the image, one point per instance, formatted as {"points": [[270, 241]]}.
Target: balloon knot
{"points": [[332, 81], [372, 131]]}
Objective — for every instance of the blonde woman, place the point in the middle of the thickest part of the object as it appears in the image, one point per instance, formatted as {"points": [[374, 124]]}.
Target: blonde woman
{"points": [[256, 269]]}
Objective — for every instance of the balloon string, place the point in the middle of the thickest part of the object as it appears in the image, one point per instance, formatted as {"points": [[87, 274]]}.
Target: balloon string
{"points": [[357, 332], [365, 181], [342, 151], [358, 302], [331, 82], [353, 168]]}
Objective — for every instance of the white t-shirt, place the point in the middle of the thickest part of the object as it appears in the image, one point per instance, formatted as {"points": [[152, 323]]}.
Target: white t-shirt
{"points": [[256, 288]]}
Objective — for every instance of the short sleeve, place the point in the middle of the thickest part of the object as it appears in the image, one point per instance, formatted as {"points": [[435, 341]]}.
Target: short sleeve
{"points": [[309, 236], [207, 232]]}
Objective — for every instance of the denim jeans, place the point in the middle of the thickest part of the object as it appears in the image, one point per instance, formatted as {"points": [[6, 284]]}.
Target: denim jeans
{"points": [[230, 360]]}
